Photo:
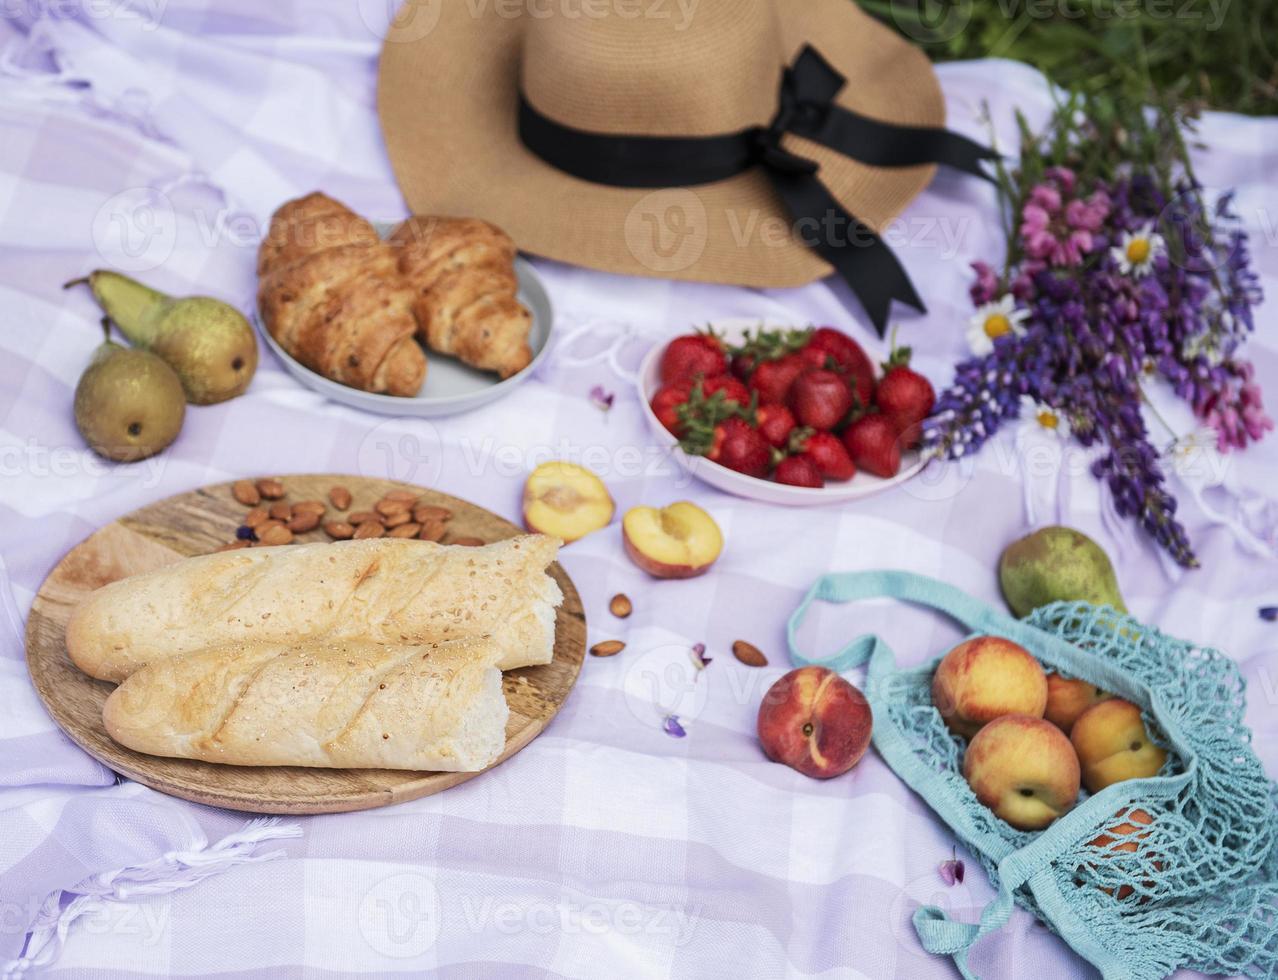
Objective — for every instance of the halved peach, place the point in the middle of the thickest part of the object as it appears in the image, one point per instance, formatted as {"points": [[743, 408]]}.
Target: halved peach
{"points": [[566, 500], [678, 541]]}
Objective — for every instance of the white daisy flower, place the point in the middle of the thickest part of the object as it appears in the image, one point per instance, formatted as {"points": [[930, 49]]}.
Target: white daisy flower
{"points": [[994, 320], [1044, 418], [1136, 251]]}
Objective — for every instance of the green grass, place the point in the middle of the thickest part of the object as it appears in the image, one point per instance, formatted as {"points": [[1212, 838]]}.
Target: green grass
{"points": [[1217, 53]]}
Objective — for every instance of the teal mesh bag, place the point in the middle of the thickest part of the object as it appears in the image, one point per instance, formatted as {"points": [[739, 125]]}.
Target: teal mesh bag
{"points": [[1200, 890]]}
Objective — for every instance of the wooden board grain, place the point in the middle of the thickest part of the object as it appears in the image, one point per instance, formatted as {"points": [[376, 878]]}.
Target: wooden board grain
{"points": [[198, 522]]}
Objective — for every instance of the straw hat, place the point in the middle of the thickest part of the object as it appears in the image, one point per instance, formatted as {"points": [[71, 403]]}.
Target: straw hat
{"points": [[453, 73]]}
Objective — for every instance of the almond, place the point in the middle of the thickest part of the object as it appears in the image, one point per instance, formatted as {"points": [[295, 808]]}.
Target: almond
{"points": [[364, 517], [408, 530], [339, 530], [398, 518], [620, 606], [270, 488], [276, 535], [340, 497], [235, 545], [266, 526], [309, 506], [402, 496], [281, 511], [608, 648], [429, 512], [749, 654], [246, 493], [469, 542], [369, 529], [386, 507], [255, 517], [307, 520], [432, 530]]}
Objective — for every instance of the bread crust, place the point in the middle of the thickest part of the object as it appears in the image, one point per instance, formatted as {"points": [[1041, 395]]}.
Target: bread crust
{"points": [[385, 590], [327, 704]]}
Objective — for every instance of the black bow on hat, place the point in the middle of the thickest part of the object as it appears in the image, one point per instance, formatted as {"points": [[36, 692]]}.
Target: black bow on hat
{"points": [[806, 108]]}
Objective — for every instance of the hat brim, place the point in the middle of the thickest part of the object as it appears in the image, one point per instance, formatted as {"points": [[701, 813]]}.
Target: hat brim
{"points": [[448, 96]]}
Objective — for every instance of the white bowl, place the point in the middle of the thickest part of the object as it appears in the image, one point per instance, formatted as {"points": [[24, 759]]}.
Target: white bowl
{"points": [[753, 488], [450, 385]]}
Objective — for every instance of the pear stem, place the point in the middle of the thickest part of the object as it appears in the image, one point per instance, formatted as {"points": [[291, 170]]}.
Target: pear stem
{"points": [[82, 281]]}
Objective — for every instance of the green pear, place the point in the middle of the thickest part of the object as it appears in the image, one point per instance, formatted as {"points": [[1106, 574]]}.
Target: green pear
{"points": [[207, 342], [129, 403], [1057, 563]]}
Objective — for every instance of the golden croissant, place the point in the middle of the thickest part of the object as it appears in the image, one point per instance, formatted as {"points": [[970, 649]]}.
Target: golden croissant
{"points": [[331, 295], [464, 291]]}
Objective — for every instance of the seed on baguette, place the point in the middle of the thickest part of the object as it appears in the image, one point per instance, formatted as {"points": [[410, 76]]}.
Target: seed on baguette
{"points": [[339, 530], [430, 512], [409, 530], [369, 529], [276, 535], [608, 648], [469, 542], [398, 518], [364, 517], [246, 493], [281, 511], [270, 488], [255, 517], [340, 497], [307, 520], [432, 530]]}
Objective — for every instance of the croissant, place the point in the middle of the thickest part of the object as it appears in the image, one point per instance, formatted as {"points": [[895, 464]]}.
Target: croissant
{"points": [[388, 590], [331, 295], [343, 704], [464, 291]]}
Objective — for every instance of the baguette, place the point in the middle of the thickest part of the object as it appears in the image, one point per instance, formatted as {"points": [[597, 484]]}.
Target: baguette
{"points": [[385, 590], [352, 704]]}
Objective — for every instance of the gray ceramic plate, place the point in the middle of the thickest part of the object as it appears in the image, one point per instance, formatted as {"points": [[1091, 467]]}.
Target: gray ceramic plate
{"points": [[450, 386]]}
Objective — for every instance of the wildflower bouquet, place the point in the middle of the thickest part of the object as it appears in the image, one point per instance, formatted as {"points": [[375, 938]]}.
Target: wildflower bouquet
{"points": [[1117, 271]]}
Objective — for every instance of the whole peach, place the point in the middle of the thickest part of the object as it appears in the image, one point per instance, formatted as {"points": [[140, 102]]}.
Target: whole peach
{"points": [[986, 677], [816, 722], [1068, 698], [1123, 837], [1024, 769], [1113, 745]]}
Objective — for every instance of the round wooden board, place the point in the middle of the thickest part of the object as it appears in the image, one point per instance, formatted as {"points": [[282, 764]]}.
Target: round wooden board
{"points": [[198, 522]]}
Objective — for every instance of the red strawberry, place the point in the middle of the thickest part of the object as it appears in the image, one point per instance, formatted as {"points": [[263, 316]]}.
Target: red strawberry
{"points": [[851, 359], [905, 396], [775, 423], [666, 402], [740, 448], [820, 399], [697, 353], [771, 380], [799, 471], [733, 390], [827, 454], [873, 444]]}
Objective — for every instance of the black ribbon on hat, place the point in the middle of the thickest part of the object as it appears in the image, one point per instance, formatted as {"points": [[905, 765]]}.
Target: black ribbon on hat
{"points": [[807, 109]]}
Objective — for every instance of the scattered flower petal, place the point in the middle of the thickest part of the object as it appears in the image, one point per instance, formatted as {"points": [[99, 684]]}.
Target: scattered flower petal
{"points": [[1269, 614], [672, 727], [952, 871], [699, 658], [245, 533], [601, 398]]}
